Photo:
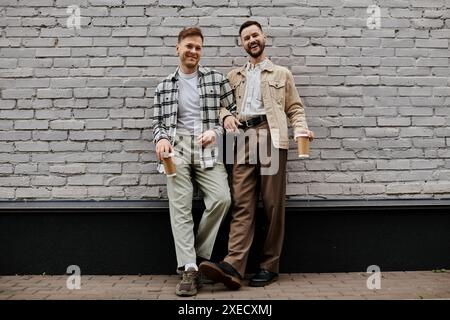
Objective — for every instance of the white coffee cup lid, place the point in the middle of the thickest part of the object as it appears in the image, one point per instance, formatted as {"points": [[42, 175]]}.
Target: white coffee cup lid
{"points": [[303, 135]]}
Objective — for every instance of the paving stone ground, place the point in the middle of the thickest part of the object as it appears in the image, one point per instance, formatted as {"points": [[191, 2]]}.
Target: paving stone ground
{"points": [[298, 286]]}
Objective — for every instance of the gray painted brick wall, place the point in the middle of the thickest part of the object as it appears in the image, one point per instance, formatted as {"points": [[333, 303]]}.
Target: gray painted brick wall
{"points": [[74, 108]]}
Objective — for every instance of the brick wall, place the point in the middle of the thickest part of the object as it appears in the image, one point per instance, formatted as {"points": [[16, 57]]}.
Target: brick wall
{"points": [[75, 103]]}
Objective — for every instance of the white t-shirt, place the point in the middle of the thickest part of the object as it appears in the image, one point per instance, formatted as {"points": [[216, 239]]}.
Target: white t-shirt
{"points": [[189, 118]]}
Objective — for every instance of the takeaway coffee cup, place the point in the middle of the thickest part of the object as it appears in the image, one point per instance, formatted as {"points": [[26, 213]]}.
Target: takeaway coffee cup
{"points": [[303, 146], [169, 165]]}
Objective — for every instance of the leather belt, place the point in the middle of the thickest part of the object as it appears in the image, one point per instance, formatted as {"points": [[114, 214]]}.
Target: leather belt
{"points": [[252, 122]]}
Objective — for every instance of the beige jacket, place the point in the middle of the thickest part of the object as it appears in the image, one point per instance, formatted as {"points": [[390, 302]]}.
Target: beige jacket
{"points": [[280, 99]]}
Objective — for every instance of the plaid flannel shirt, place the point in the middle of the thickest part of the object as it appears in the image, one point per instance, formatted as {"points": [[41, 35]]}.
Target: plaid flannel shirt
{"points": [[215, 93]]}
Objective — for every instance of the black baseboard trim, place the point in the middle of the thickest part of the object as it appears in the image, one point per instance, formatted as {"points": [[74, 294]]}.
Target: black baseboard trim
{"points": [[134, 237]]}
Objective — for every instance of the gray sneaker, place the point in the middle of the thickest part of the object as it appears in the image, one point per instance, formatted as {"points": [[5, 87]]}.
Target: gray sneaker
{"points": [[188, 285]]}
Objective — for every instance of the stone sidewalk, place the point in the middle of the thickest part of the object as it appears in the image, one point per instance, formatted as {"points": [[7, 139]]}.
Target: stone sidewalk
{"points": [[299, 286]]}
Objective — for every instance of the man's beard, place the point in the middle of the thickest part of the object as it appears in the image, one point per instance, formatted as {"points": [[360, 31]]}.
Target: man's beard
{"points": [[257, 53]]}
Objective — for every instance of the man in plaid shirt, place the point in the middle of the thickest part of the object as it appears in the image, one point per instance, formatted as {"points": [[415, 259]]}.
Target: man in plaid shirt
{"points": [[186, 123]]}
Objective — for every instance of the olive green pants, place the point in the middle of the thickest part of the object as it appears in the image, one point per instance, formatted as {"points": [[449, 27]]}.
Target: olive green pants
{"points": [[213, 184]]}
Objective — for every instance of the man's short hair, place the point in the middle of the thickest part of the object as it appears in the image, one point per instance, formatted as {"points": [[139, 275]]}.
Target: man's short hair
{"points": [[190, 32], [248, 24]]}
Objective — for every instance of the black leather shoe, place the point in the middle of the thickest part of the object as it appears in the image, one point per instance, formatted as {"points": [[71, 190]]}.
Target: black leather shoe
{"points": [[221, 272], [263, 278]]}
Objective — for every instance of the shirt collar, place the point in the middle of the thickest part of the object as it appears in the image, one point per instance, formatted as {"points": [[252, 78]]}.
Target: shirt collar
{"points": [[268, 66], [259, 66], [174, 76]]}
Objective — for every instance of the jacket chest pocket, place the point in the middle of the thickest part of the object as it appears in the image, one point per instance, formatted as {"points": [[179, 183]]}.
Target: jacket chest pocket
{"points": [[237, 88], [212, 91], [277, 90]]}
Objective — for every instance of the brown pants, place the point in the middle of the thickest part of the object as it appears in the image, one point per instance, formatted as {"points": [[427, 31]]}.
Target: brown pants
{"points": [[248, 183]]}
